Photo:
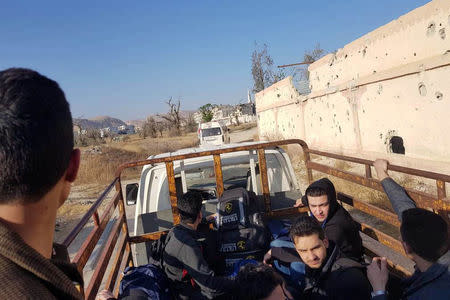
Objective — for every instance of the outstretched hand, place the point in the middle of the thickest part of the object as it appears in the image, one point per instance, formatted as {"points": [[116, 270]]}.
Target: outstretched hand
{"points": [[378, 274], [381, 166]]}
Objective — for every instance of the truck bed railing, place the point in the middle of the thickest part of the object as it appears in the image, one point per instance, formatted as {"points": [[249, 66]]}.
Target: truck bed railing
{"points": [[118, 242]]}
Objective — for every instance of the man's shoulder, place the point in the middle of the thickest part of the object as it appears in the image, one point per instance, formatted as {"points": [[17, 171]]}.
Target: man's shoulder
{"points": [[17, 283], [179, 236]]}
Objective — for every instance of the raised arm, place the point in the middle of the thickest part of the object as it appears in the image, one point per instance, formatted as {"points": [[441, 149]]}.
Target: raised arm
{"points": [[397, 195]]}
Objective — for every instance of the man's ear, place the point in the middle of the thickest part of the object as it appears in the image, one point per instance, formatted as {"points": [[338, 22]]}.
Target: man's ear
{"points": [[326, 242], [74, 165]]}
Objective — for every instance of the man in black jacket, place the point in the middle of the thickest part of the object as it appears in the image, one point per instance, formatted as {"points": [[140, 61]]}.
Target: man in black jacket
{"points": [[183, 260], [339, 226], [337, 223], [329, 274]]}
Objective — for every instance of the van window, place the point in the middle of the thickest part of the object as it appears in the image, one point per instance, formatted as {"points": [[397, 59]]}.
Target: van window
{"points": [[211, 131]]}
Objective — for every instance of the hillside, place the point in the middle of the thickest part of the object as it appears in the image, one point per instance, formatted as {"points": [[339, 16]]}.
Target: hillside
{"points": [[98, 122]]}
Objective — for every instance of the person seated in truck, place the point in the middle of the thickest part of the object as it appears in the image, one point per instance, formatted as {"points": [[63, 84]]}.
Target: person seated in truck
{"points": [[425, 241], [260, 282], [328, 273], [339, 227], [183, 260], [38, 164]]}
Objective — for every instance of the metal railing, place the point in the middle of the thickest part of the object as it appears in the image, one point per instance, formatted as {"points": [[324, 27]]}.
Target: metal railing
{"points": [[119, 235]]}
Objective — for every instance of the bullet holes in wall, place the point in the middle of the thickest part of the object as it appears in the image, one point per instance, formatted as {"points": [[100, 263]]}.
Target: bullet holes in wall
{"points": [[396, 145]]}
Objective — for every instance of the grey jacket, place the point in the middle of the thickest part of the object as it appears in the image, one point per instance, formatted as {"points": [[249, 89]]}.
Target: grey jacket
{"points": [[434, 283], [183, 260]]}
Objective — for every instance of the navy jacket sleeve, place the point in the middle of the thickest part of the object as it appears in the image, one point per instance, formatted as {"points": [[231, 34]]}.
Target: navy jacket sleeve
{"points": [[397, 195]]}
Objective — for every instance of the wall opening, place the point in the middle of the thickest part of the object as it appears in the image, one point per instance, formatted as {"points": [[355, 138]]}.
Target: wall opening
{"points": [[396, 145]]}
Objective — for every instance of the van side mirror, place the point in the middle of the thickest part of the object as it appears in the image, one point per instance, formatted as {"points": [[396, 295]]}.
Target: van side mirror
{"points": [[131, 192]]}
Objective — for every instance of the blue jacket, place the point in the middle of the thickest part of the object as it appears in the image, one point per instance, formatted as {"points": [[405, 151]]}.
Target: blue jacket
{"points": [[434, 283]]}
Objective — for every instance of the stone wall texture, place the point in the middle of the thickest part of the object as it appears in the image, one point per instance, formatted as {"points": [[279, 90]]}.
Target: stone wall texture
{"points": [[393, 81]]}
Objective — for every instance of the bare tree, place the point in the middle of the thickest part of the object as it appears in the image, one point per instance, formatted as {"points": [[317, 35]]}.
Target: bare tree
{"points": [[148, 128], [161, 126], [262, 65], [173, 116], [191, 125], [310, 56]]}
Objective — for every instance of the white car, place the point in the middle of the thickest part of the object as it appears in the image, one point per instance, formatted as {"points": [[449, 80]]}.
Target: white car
{"points": [[213, 133]]}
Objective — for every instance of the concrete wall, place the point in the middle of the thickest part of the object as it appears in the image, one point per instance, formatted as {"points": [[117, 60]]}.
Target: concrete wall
{"points": [[393, 81]]}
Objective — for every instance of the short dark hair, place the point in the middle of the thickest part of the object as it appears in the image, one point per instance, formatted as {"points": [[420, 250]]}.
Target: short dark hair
{"points": [[306, 226], [425, 232], [316, 192], [36, 135], [189, 205], [256, 282]]}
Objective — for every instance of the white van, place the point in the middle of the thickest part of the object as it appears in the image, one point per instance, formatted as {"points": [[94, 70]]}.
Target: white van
{"points": [[213, 133]]}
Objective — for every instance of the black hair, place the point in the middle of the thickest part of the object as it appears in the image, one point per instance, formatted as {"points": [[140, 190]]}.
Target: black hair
{"points": [[189, 206], [425, 232], [256, 282], [316, 192], [306, 226], [36, 135]]}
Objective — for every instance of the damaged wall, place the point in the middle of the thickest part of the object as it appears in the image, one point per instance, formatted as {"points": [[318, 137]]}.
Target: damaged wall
{"points": [[394, 81]]}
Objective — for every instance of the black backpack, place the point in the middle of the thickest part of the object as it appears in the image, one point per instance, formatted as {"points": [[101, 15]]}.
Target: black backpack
{"points": [[240, 226], [155, 253]]}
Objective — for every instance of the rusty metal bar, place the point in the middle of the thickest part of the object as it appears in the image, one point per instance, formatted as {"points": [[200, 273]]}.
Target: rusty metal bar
{"points": [[287, 212], [96, 218], [117, 262], [421, 199], [368, 171], [69, 239], [219, 175], [370, 209], [397, 269], [124, 262], [264, 179], [122, 210], [440, 189], [89, 244], [414, 172], [211, 152], [147, 237], [296, 64], [172, 192], [383, 238], [99, 272]]}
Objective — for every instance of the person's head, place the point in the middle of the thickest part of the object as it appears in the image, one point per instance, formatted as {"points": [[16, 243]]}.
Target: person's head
{"points": [[190, 207], [257, 282], [310, 241], [320, 197], [36, 133], [318, 203], [424, 233]]}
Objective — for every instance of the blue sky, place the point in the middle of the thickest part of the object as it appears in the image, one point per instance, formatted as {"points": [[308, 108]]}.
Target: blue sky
{"points": [[125, 58]]}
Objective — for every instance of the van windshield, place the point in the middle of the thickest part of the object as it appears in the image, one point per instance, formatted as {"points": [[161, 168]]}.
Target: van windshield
{"points": [[211, 131]]}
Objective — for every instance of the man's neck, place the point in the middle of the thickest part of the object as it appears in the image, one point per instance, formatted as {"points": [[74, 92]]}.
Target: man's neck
{"points": [[422, 264], [192, 226], [35, 223]]}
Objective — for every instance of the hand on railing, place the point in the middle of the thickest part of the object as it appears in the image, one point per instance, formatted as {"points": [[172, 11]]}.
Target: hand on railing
{"points": [[378, 274], [298, 203], [105, 295], [381, 166]]}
